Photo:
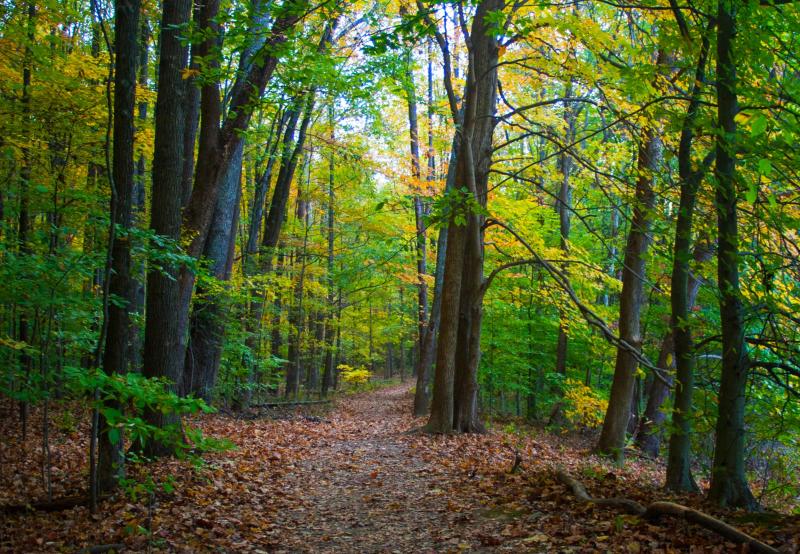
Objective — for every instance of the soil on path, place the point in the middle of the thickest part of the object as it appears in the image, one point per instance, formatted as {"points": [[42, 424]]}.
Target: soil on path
{"points": [[373, 491]]}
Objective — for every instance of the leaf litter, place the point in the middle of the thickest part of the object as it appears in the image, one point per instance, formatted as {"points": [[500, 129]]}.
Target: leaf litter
{"points": [[356, 480]]}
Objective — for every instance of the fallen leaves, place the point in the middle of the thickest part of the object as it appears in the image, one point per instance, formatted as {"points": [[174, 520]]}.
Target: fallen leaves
{"points": [[356, 482]]}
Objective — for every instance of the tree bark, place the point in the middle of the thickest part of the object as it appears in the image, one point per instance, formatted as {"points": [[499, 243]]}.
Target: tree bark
{"points": [[163, 356], [208, 314], [615, 424], [684, 289], [218, 144], [116, 356], [728, 481], [192, 104], [328, 371], [23, 218], [421, 240], [458, 351]]}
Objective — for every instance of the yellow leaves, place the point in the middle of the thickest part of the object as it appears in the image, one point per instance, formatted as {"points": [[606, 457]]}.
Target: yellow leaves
{"points": [[354, 375], [8, 342], [585, 407], [188, 73]]}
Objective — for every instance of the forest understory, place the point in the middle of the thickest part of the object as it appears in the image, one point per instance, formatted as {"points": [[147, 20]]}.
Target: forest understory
{"points": [[355, 477]]}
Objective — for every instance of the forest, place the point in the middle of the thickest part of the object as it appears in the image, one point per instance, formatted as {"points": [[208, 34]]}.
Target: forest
{"points": [[400, 276]]}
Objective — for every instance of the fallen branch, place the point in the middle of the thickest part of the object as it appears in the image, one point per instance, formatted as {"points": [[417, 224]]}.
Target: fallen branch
{"points": [[297, 403], [57, 505], [656, 510]]}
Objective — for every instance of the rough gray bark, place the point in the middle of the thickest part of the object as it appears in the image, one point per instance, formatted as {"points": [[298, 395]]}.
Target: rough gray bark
{"points": [[208, 313]]}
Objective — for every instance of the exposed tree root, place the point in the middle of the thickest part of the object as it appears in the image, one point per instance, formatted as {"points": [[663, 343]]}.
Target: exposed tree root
{"points": [[655, 510]]}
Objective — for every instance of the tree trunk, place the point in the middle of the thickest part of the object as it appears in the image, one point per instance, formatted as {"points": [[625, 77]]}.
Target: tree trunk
{"points": [[428, 349], [208, 316], [163, 356], [615, 424], [419, 211], [648, 433], [139, 200], [117, 348], [728, 481], [684, 289], [217, 147], [564, 209], [296, 315], [328, 372], [192, 107], [458, 351], [24, 220]]}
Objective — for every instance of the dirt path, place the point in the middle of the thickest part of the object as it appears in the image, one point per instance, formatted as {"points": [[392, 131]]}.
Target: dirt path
{"points": [[371, 493]]}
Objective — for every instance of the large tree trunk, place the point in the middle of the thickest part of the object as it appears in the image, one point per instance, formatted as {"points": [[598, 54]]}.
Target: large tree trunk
{"points": [[728, 481], [208, 314], [117, 348], [171, 301], [458, 351], [208, 322], [615, 424], [163, 356]]}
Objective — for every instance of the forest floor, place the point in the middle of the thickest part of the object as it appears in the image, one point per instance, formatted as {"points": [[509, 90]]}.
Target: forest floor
{"points": [[353, 479]]}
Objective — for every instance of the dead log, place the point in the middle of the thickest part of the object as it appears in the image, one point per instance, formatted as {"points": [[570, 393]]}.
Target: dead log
{"points": [[57, 505], [656, 510]]}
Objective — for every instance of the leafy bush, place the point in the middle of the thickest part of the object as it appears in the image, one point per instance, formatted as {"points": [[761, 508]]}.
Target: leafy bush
{"points": [[357, 377], [584, 407]]}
